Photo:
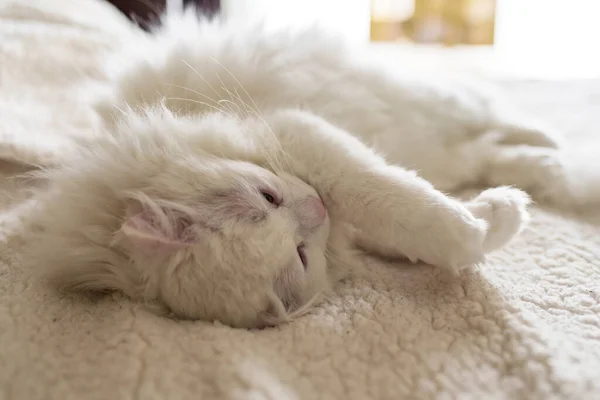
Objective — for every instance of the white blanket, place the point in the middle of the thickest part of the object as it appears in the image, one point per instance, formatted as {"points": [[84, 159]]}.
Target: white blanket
{"points": [[524, 326]]}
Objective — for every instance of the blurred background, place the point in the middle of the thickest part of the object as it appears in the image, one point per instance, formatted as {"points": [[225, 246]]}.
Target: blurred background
{"points": [[531, 39]]}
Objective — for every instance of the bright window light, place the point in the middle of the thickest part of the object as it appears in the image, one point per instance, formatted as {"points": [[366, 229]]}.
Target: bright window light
{"points": [[548, 38]]}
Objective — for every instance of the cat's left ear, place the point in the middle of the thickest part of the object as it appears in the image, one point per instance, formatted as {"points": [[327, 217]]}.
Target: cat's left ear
{"points": [[153, 228]]}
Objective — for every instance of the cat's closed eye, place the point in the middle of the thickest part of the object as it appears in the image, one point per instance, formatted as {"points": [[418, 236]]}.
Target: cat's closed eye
{"points": [[271, 197], [302, 254]]}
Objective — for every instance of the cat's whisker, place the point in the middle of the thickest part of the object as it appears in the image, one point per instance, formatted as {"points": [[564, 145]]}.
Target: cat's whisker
{"points": [[249, 111], [276, 154], [281, 313], [256, 108], [276, 163], [114, 117], [220, 110], [243, 111], [304, 309], [201, 77], [270, 159], [271, 149], [246, 105], [275, 160], [119, 109], [194, 91], [219, 95], [217, 103], [231, 104]]}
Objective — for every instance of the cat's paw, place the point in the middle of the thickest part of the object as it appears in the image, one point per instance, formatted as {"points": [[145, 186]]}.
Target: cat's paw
{"points": [[459, 239], [530, 134], [486, 223], [505, 211], [539, 171], [564, 178]]}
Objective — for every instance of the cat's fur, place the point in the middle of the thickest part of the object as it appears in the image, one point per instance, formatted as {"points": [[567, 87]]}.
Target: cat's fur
{"points": [[226, 144]]}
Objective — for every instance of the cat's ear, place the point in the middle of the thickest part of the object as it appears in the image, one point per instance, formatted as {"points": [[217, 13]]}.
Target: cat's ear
{"points": [[152, 228]]}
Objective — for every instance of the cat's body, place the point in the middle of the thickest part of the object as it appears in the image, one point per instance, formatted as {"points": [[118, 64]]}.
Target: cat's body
{"points": [[209, 193], [440, 126]]}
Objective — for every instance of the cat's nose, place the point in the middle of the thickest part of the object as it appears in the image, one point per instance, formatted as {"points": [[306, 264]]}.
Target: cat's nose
{"points": [[314, 212], [320, 208]]}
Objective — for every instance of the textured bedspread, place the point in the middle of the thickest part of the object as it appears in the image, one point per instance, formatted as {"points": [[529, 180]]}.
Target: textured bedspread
{"points": [[525, 326]]}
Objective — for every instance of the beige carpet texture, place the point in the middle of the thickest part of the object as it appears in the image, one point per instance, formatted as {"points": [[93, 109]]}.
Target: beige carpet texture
{"points": [[526, 325]]}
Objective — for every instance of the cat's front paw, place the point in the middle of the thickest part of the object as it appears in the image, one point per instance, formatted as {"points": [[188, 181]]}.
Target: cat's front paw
{"points": [[504, 209], [458, 240], [487, 223], [466, 252]]}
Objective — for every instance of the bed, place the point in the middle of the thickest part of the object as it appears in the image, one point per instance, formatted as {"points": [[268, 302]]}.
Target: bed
{"points": [[524, 326]]}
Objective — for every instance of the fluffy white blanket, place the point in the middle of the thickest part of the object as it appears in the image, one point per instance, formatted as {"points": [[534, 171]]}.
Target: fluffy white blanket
{"points": [[525, 326]]}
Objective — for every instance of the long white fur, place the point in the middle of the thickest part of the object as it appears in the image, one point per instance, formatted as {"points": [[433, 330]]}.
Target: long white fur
{"points": [[204, 115]]}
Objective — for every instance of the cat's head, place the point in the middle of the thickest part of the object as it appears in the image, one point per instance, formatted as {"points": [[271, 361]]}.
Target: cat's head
{"points": [[229, 241], [208, 237]]}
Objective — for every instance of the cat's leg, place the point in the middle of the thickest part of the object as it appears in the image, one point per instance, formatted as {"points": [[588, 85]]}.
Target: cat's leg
{"points": [[527, 154], [504, 209], [513, 126], [507, 155], [534, 169], [517, 130], [551, 176], [444, 132], [392, 210]]}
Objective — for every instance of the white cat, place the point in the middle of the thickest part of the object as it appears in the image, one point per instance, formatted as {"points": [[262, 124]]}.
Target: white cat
{"points": [[239, 173]]}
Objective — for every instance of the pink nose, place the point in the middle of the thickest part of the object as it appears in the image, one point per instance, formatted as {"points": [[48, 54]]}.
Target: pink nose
{"points": [[319, 207], [313, 212]]}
